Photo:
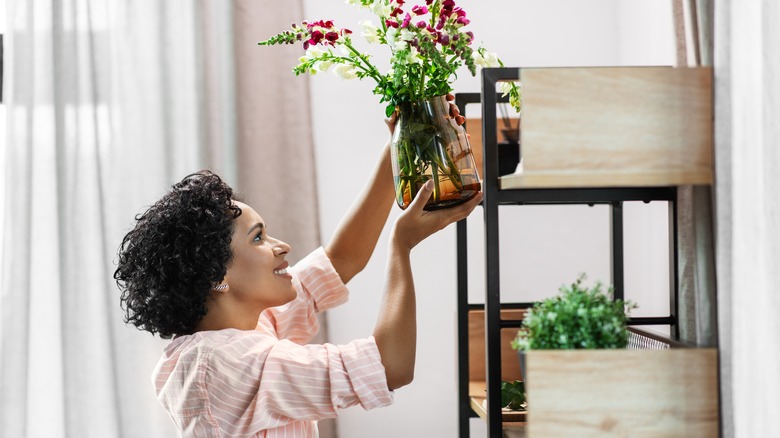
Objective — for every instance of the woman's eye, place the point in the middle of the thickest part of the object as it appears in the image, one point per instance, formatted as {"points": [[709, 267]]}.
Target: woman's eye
{"points": [[258, 237]]}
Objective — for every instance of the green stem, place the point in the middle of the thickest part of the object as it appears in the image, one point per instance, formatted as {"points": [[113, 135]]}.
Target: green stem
{"points": [[372, 71]]}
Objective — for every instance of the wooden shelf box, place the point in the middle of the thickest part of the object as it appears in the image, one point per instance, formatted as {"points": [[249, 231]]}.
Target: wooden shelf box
{"points": [[613, 127], [615, 393]]}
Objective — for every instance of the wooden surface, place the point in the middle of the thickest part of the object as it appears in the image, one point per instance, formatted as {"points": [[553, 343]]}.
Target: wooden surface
{"points": [[510, 365], [618, 393], [474, 129], [616, 126], [511, 419]]}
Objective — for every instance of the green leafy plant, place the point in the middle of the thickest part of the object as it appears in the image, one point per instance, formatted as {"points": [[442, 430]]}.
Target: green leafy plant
{"points": [[513, 395], [580, 317]]}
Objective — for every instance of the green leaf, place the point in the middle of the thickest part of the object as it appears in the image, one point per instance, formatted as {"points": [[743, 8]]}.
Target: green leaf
{"points": [[389, 110], [513, 394]]}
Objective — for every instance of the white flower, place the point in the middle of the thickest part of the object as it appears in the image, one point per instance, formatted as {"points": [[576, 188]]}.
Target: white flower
{"points": [[345, 71], [313, 52], [381, 9], [323, 65], [414, 57], [370, 32], [391, 35], [345, 51], [400, 45], [406, 35], [489, 59]]}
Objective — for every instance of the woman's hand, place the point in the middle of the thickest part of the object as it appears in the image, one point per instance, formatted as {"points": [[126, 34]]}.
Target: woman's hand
{"points": [[415, 224]]}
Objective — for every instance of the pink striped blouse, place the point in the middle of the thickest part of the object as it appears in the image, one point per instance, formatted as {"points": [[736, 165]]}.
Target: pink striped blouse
{"points": [[266, 382]]}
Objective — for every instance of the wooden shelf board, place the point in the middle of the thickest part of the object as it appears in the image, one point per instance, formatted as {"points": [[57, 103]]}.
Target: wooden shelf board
{"points": [[510, 419], [596, 179]]}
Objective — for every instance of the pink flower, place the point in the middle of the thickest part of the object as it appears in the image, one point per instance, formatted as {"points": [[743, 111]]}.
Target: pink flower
{"points": [[421, 24], [419, 10], [462, 21], [407, 20]]}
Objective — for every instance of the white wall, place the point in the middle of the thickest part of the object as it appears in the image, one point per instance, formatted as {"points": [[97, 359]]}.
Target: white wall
{"points": [[542, 247]]}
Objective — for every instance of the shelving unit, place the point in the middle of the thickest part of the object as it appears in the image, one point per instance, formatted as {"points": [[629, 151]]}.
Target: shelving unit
{"points": [[547, 103]]}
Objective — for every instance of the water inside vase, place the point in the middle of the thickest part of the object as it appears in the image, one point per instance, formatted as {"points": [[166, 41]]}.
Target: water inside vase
{"points": [[447, 194]]}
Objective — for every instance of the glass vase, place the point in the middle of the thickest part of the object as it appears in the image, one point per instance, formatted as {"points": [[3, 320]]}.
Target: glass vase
{"points": [[428, 144]]}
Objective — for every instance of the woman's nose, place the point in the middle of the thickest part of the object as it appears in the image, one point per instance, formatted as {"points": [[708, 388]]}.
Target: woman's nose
{"points": [[281, 248]]}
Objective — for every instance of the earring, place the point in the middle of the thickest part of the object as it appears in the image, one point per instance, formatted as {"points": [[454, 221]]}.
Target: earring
{"points": [[220, 287]]}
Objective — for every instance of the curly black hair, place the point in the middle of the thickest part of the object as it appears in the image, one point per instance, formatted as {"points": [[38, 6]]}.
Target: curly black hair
{"points": [[179, 248]]}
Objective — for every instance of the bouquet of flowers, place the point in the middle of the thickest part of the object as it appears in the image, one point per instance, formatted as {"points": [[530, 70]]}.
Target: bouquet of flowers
{"points": [[428, 44]]}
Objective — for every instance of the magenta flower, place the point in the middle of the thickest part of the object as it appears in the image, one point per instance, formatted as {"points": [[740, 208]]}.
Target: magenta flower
{"points": [[421, 24], [407, 20], [420, 10]]}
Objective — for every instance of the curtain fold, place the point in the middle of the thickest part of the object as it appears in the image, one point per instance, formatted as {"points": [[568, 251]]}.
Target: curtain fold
{"points": [[109, 102], [748, 215]]}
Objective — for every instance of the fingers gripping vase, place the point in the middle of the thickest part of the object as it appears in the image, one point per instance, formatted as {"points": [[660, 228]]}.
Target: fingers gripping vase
{"points": [[428, 144]]}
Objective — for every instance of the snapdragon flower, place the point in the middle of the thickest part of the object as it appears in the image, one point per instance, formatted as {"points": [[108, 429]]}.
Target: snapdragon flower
{"points": [[345, 71], [370, 32], [483, 58]]}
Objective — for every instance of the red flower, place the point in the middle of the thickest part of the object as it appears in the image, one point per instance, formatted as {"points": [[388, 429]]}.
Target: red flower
{"points": [[391, 23], [316, 37], [332, 36]]}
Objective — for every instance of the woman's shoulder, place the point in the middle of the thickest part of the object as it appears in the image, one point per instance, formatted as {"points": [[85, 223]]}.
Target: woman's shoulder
{"points": [[225, 341]]}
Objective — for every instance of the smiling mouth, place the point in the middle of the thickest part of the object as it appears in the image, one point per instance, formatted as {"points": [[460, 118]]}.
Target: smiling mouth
{"points": [[280, 271]]}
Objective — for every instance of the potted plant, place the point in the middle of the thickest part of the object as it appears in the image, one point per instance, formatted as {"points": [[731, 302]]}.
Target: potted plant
{"points": [[581, 380], [428, 43], [578, 318]]}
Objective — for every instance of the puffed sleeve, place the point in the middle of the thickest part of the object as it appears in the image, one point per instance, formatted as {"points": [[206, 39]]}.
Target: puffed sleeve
{"points": [[256, 384], [319, 288]]}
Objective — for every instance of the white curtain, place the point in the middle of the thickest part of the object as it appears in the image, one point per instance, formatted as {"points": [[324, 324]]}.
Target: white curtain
{"points": [[747, 120], [109, 102]]}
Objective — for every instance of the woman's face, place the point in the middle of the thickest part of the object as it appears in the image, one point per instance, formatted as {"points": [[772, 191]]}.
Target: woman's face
{"points": [[258, 274]]}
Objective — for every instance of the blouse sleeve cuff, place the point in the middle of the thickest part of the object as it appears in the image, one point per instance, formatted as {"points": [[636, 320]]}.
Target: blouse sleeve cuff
{"points": [[320, 280], [363, 364]]}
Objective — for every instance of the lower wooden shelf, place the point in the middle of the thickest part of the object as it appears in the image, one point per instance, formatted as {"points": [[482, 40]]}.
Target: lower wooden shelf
{"points": [[512, 420]]}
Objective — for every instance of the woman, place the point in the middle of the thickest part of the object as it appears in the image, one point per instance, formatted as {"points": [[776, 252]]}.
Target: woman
{"points": [[200, 267]]}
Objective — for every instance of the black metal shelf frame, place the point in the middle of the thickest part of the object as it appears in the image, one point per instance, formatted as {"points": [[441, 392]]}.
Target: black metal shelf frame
{"points": [[493, 198]]}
